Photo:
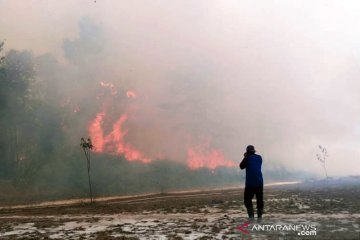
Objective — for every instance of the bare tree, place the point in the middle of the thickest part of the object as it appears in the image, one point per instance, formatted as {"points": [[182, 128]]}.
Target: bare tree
{"points": [[1, 49], [87, 147], [321, 157]]}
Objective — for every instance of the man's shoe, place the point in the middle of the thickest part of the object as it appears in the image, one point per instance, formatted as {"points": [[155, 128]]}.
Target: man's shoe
{"points": [[250, 212]]}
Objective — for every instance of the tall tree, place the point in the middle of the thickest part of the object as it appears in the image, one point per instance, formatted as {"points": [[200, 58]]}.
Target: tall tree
{"points": [[87, 147], [16, 74]]}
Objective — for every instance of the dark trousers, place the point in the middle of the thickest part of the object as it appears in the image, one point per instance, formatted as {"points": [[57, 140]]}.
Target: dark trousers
{"points": [[249, 194]]}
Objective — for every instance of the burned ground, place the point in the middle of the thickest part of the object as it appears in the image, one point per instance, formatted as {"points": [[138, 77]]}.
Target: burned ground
{"points": [[217, 214]]}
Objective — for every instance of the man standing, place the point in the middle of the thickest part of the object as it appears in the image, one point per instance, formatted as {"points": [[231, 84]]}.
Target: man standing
{"points": [[254, 182]]}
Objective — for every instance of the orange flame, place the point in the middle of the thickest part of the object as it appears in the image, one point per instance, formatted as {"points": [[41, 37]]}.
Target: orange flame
{"points": [[110, 86], [114, 142], [131, 94], [96, 132], [201, 156], [198, 156], [76, 109], [105, 84]]}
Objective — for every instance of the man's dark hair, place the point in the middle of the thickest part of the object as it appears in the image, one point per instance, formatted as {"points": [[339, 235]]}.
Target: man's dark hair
{"points": [[250, 149]]}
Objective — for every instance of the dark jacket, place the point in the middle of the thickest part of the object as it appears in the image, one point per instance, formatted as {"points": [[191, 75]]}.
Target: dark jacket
{"points": [[252, 163]]}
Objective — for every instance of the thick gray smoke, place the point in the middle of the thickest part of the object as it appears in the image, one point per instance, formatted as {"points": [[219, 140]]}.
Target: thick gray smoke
{"points": [[278, 75]]}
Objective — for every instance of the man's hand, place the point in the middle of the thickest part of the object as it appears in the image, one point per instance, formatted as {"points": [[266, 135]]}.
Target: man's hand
{"points": [[243, 163]]}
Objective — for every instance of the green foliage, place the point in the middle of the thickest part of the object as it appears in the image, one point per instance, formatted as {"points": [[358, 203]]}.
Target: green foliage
{"points": [[16, 117], [88, 44]]}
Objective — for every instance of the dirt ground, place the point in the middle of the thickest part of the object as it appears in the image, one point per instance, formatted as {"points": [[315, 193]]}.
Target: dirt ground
{"points": [[334, 213]]}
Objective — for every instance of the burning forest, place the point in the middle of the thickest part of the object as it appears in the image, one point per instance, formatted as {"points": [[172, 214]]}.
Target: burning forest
{"points": [[165, 97]]}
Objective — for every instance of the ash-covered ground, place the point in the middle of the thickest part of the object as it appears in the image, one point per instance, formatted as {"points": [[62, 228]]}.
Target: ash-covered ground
{"points": [[331, 206]]}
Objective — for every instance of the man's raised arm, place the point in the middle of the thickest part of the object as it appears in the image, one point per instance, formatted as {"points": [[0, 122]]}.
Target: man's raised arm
{"points": [[243, 163]]}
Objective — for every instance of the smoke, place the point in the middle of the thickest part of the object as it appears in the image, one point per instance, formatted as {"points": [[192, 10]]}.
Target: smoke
{"points": [[195, 82]]}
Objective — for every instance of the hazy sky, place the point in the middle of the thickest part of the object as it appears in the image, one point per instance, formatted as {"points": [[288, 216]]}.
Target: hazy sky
{"points": [[282, 75]]}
